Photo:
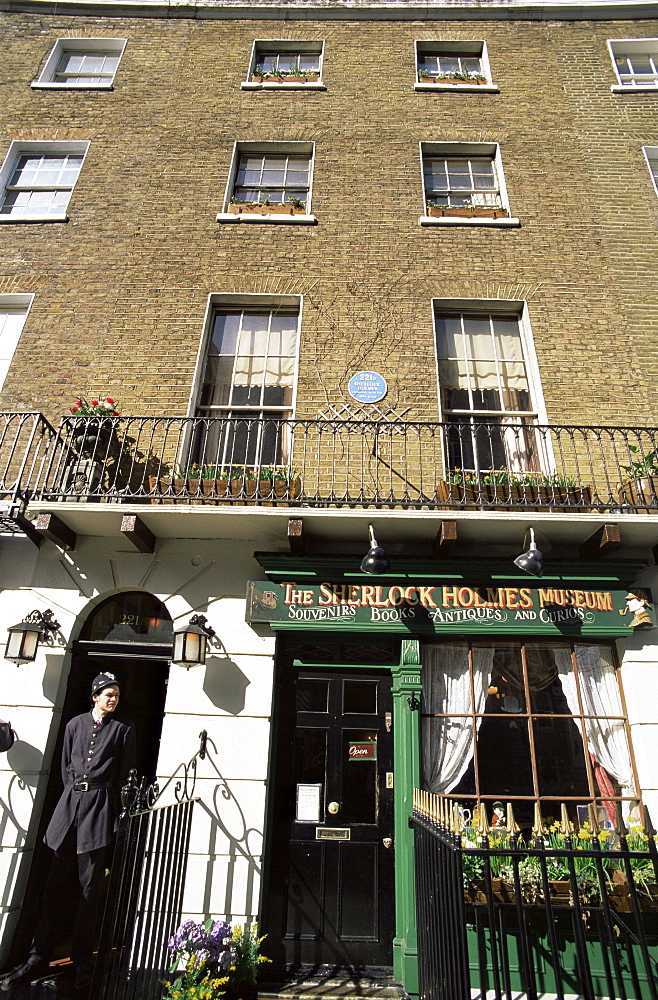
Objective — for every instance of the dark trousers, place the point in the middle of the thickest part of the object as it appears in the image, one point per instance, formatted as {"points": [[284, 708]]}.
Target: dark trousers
{"points": [[71, 872]]}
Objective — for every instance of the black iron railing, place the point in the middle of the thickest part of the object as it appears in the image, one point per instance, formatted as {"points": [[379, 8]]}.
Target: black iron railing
{"points": [[494, 918], [456, 465]]}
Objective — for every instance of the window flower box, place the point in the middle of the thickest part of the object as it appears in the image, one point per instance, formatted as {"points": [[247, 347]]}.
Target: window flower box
{"points": [[258, 208], [640, 492], [309, 77], [453, 78], [514, 492], [467, 212]]}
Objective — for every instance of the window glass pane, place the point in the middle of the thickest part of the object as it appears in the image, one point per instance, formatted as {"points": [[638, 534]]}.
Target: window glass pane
{"points": [[508, 338], [479, 342], [622, 64], [312, 695], [484, 178], [217, 383], [471, 64], [458, 175], [360, 696], [359, 803], [641, 63], [225, 333], [249, 170], [436, 178], [283, 336], [449, 342], [310, 62], [310, 756], [449, 64], [254, 334], [429, 64], [561, 766], [279, 371]]}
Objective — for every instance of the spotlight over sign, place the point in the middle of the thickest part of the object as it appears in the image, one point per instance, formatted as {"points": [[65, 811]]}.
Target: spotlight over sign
{"points": [[367, 387]]}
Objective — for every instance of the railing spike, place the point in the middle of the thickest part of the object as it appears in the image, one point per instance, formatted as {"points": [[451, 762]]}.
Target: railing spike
{"points": [[538, 825], [512, 825], [649, 828], [565, 822], [483, 821], [592, 817], [414, 800], [455, 819]]}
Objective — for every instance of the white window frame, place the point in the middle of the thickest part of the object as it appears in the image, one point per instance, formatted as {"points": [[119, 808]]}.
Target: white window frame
{"points": [[46, 79], [18, 148], [468, 150], [628, 46], [283, 45], [218, 301], [295, 148], [458, 48], [501, 307], [651, 156], [18, 303]]}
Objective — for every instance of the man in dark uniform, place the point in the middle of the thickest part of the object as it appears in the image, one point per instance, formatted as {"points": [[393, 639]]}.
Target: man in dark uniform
{"points": [[98, 753]]}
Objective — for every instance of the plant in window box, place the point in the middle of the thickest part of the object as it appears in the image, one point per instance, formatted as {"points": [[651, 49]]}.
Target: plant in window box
{"points": [[437, 211], [641, 488], [298, 75], [474, 78], [293, 206]]}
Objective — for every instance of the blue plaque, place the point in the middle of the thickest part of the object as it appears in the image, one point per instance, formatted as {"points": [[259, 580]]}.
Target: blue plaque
{"points": [[367, 387]]}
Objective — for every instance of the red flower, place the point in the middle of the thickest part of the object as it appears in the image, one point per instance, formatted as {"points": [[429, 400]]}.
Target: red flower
{"points": [[94, 402], [74, 409], [108, 400]]}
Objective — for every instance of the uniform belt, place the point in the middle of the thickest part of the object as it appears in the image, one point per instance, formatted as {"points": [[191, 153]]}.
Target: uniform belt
{"points": [[89, 786]]}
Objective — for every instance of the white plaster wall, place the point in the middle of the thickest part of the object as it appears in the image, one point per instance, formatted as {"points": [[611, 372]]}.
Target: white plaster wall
{"points": [[230, 698], [638, 656]]}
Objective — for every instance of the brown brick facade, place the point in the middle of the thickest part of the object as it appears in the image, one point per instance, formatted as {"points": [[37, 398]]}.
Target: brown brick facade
{"points": [[121, 289]]}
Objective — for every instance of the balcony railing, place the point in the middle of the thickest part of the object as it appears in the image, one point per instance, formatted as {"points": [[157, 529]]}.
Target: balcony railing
{"points": [[466, 465]]}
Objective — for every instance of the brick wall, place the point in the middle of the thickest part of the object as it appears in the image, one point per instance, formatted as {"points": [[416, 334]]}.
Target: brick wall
{"points": [[121, 289]]}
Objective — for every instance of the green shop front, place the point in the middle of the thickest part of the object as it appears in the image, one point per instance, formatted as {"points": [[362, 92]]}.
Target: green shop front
{"points": [[468, 680]]}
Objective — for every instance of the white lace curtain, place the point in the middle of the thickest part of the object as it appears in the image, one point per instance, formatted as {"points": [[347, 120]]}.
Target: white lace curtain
{"points": [[448, 742], [604, 737]]}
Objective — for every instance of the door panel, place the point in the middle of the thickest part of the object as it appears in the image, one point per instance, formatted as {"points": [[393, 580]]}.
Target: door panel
{"points": [[330, 900]]}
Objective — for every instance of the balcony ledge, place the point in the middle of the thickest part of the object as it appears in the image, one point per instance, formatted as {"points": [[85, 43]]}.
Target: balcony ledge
{"points": [[405, 530]]}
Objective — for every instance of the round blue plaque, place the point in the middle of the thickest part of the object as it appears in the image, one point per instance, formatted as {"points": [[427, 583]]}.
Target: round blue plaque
{"points": [[367, 387]]}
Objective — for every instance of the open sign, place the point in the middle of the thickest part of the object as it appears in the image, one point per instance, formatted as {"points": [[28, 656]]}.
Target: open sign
{"points": [[362, 751]]}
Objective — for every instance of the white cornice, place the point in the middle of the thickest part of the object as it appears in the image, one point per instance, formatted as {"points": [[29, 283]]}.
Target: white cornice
{"points": [[352, 10]]}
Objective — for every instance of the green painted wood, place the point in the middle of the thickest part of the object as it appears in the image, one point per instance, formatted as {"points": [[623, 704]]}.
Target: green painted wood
{"points": [[406, 751]]}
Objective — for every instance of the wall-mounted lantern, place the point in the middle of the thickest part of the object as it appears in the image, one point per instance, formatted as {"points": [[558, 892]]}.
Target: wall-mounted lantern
{"points": [[25, 637], [190, 642]]}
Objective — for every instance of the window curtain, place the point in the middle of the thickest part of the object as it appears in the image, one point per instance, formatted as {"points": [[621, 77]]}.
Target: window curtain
{"points": [[605, 737], [448, 742]]}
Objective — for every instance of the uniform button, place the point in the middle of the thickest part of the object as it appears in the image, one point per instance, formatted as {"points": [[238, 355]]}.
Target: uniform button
{"points": [[88, 759], [85, 776]]}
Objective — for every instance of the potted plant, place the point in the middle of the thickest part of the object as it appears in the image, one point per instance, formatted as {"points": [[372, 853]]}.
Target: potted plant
{"points": [[641, 488], [293, 206], [453, 78], [246, 960], [92, 436], [202, 955], [466, 211]]}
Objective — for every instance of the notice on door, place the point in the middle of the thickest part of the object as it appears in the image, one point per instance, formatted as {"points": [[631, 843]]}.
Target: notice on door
{"points": [[362, 751], [308, 803]]}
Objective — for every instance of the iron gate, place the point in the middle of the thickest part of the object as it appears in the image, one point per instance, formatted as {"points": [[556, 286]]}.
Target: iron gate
{"points": [[145, 893]]}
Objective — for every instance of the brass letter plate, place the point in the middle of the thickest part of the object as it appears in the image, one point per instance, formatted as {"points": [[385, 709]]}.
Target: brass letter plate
{"points": [[332, 833]]}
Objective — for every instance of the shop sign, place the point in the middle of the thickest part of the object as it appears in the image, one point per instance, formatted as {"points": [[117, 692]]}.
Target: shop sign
{"points": [[539, 610], [362, 751], [367, 387]]}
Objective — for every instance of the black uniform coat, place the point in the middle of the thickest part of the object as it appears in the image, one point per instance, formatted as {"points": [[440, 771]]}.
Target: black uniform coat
{"points": [[101, 753]]}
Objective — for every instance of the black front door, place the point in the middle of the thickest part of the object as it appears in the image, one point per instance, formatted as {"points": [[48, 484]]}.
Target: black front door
{"points": [[331, 867]]}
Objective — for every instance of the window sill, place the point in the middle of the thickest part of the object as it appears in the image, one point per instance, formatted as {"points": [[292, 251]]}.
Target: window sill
{"points": [[5, 219], [462, 220], [286, 220], [254, 85], [626, 88], [38, 85], [469, 88]]}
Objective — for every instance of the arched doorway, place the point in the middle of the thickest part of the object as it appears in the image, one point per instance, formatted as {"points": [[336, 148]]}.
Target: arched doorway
{"points": [[130, 635]]}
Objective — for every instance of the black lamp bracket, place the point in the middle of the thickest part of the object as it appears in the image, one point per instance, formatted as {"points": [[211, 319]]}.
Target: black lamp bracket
{"points": [[202, 622], [413, 703], [45, 620]]}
